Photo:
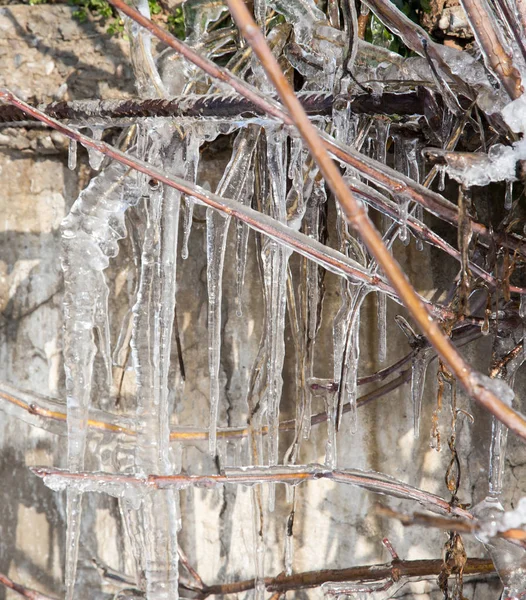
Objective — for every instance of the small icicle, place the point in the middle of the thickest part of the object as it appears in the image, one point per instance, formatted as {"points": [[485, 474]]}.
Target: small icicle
{"points": [[289, 541], [419, 214], [522, 313], [187, 225], [381, 300], [331, 447], [94, 156], [418, 379], [72, 154], [484, 329], [508, 199], [403, 203], [441, 179]]}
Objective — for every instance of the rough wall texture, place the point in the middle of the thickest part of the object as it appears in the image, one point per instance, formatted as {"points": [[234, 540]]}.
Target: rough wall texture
{"points": [[47, 55]]}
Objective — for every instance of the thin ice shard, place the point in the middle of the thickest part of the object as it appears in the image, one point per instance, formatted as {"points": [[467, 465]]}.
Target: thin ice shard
{"points": [[231, 185], [381, 300], [419, 365], [274, 260]]}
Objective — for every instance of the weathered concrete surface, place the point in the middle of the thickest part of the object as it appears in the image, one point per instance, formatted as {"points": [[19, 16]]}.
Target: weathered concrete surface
{"points": [[335, 526]]}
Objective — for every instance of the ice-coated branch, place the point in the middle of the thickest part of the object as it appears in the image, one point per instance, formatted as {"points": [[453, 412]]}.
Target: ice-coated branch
{"points": [[371, 169], [490, 39], [135, 488], [476, 386], [448, 524], [216, 106]]}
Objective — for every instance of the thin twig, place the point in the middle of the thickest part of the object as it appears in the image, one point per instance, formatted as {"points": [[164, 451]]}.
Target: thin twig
{"points": [[22, 590]]}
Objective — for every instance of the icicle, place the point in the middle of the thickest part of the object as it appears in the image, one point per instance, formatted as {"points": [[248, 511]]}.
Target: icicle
{"points": [[191, 161], [231, 186], [331, 447], [153, 316], [72, 155], [509, 559], [259, 542], [418, 379], [419, 215], [89, 238], [381, 300], [274, 260], [403, 204], [187, 225], [346, 331], [522, 314], [508, 200], [242, 232], [441, 178], [94, 156]]}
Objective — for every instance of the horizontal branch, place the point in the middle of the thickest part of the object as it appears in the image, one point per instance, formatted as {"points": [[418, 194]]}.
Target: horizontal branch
{"points": [[136, 487], [310, 579], [50, 414], [218, 106], [447, 524]]}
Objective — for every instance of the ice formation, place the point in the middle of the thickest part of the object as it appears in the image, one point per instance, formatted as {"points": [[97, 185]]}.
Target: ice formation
{"points": [[269, 168]]}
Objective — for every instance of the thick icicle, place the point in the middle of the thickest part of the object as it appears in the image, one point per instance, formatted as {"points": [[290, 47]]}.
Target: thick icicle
{"points": [[231, 186], [90, 234], [509, 559]]}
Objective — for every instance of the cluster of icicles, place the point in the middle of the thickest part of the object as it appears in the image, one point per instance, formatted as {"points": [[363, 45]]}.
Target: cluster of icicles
{"points": [[294, 195]]}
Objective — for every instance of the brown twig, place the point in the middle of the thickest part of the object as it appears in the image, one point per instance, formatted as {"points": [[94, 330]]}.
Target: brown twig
{"points": [[357, 216], [22, 590], [311, 579]]}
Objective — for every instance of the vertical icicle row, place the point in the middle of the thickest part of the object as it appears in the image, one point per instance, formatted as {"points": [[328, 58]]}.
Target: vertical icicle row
{"points": [[153, 316], [231, 186]]}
